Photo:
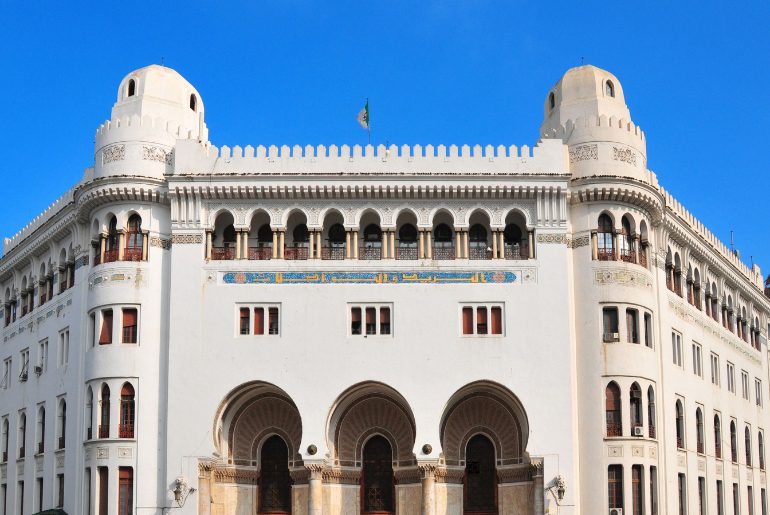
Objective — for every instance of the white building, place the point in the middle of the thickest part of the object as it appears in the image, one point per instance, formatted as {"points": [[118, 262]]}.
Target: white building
{"points": [[410, 330]]}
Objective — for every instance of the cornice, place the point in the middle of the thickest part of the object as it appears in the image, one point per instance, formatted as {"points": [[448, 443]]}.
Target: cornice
{"points": [[119, 189], [617, 189], [53, 229]]}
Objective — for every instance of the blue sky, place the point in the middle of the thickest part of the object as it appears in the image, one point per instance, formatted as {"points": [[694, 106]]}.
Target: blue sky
{"points": [[695, 76]]}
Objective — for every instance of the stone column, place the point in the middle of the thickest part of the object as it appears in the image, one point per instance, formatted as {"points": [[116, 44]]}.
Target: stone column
{"points": [[311, 245], [637, 249], [204, 488], [315, 489], [208, 245], [618, 241], [531, 235], [537, 480], [494, 245], [145, 241], [355, 244], [392, 251], [121, 244], [594, 246], [428, 480], [238, 245], [281, 244], [275, 244], [458, 244], [422, 245], [102, 247], [347, 244], [466, 246], [501, 244], [319, 244], [429, 244], [245, 251]]}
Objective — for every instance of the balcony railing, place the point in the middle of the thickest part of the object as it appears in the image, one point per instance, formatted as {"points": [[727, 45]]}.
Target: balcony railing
{"points": [[260, 253], [652, 431], [126, 431], [222, 253], [61, 443], [407, 253], [643, 258], [110, 256], [333, 253], [89, 433], [295, 253], [22, 452], [614, 429], [516, 252], [701, 448], [443, 253], [40, 447], [679, 442], [5, 456], [370, 253], [104, 431], [718, 451], [132, 254], [605, 254], [479, 253], [627, 255]]}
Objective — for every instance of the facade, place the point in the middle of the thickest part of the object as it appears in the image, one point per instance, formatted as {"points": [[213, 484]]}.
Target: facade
{"points": [[404, 330]]}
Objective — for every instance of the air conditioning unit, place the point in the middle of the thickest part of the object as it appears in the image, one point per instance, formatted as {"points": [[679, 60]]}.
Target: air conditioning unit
{"points": [[611, 337], [616, 511], [638, 431], [38, 369]]}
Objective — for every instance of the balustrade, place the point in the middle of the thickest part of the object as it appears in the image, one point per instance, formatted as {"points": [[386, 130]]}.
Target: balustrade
{"points": [[407, 253], [260, 253], [443, 252], [333, 253], [370, 253], [295, 253]]}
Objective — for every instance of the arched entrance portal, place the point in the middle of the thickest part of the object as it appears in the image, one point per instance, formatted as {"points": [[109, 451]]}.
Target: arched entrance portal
{"points": [[480, 477], [274, 477]]}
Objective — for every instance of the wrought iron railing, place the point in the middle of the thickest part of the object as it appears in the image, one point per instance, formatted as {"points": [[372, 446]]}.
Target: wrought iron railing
{"points": [[333, 253], [614, 429], [627, 255], [61, 442], [718, 450], [260, 253], [443, 253], [104, 431], [222, 253], [132, 254], [605, 254], [295, 253], [40, 447], [126, 431], [479, 253], [407, 253], [370, 253], [110, 256]]}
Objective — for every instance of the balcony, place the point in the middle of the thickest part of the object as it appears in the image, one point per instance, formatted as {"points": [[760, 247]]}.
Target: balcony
{"points": [[643, 258], [222, 253], [651, 431], [679, 443], [110, 256], [61, 442], [441, 252], [404, 252], [41, 447], [628, 255], [5, 456], [718, 451], [701, 448], [89, 433], [479, 253], [614, 429], [132, 254], [333, 253], [104, 431], [259, 253], [22, 452], [516, 252], [370, 253], [605, 255], [126, 431], [296, 253]]}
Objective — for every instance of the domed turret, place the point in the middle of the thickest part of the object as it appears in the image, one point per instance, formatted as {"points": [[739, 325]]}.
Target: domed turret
{"points": [[155, 107], [586, 108]]}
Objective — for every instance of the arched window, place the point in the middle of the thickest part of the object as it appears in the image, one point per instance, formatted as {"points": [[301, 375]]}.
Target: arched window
{"points": [[131, 88], [478, 236], [605, 239], [635, 399], [552, 100], [193, 102], [5, 440], [134, 239], [747, 444], [679, 425], [377, 476], [609, 89], [265, 236], [699, 436], [372, 236], [337, 235], [41, 430], [62, 424], [300, 235], [613, 410], [442, 235], [626, 241], [651, 411], [761, 449], [407, 235], [677, 274], [89, 413], [127, 412], [22, 435], [480, 476], [717, 437], [104, 422], [516, 246], [733, 442], [274, 479]]}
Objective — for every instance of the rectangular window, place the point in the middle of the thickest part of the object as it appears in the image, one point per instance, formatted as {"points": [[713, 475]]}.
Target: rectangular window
{"points": [[714, 369], [266, 320], [497, 319], [610, 324], [39, 488], [126, 491], [245, 318], [24, 373], [676, 344], [745, 384], [105, 334], [64, 347], [6, 373], [702, 496], [736, 500], [467, 320], [763, 501], [730, 377], [750, 495], [130, 321], [615, 486], [720, 497], [103, 488], [637, 490], [482, 320], [758, 391], [87, 500], [682, 488], [384, 320], [648, 330], [60, 490], [697, 359], [91, 329], [632, 326], [21, 498], [42, 356], [653, 490], [377, 320]]}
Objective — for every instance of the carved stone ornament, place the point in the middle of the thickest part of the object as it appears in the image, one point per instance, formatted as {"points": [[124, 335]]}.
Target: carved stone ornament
{"points": [[162, 243], [515, 473], [341, 476], [624, 277], [186, 239], [113, 153], [625, 155], [552, 238], [450, 475], [151, 153], [580, 241], [583, 153], [234, 475], [407, 475]]}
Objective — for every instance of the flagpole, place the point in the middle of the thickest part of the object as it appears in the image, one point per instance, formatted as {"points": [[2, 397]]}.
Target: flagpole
{"points": [[368, 122]]}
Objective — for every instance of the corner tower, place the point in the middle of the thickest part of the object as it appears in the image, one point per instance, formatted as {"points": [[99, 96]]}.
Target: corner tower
{"points": [[587, 110], [155, 107]]}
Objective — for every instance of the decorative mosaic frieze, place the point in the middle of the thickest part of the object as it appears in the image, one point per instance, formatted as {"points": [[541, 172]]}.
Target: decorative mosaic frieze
{"points": [[81, 261], [580, 241], [113, 153], [151, 153], [624, 277], [456, 277], [583, 153], [162, 243], [186, 239], [558, 239], [625, 155]]}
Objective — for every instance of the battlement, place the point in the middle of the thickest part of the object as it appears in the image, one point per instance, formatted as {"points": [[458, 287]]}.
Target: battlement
{"points": [[753, 274], [548, 156], [628, 128], [145, 122], [37, 222]]}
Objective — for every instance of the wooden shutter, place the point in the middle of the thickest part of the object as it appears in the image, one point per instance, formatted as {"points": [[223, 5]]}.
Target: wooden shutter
{"points": [[481, 320], [355, 321], [259, 320], [272, 321], [384, 320], [497, 320], [103, 478], [245, 321], [129, 325], [371, 315], [467, 320], [105, 337]]}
